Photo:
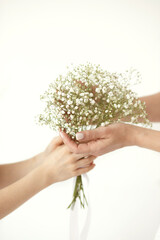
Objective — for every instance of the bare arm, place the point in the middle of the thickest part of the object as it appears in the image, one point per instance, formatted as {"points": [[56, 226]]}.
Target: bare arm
{"points": [[10, 173], [152, 106], [16, 194], [106, 139], [59, 164], [146, 138]]}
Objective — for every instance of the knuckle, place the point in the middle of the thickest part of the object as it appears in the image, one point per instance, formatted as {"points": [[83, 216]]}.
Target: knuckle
{"points": [[86, 135], [90, 134], [77, 150], [72, 159], [87, 161], [82, 162], [90, 148], [66, 149]]}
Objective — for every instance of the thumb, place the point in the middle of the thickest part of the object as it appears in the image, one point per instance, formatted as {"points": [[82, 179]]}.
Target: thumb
{"points": [[56, 141], [90, 135]]}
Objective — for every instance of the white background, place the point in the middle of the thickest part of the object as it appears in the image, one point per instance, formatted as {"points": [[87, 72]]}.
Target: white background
{"points": [[38, 39]]}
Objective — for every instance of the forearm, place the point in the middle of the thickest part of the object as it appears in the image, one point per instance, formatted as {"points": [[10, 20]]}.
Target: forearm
{"points": [[152, 103], [16, 194], [143, 137], [152, 106], [10, 173]]}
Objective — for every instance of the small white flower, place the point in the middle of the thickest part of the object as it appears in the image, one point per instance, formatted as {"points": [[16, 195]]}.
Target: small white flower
{"points": [[135, 105], [78, 101], [92, 102], [127, 96], [91, 94], [104, 89], [68, 129], [130, 101], [107, 79], [132, 119], [85, 100], [126, 106], [71, 90], [98, 90], [91, 77], [110, 94], [69, 102], [95, 117]]}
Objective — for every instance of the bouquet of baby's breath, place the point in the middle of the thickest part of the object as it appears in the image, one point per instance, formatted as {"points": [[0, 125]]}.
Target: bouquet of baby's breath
{"points": [[87, 97]]}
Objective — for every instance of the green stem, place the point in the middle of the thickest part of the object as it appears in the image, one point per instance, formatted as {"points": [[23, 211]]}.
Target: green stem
{"points": [[77, 193]]}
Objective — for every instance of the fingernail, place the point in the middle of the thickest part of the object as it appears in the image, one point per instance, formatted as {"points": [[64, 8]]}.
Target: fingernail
{"points": [[79, 136]]}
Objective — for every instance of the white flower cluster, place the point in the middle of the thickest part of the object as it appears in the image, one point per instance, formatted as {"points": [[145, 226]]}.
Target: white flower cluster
{"points": [[88, 97]]}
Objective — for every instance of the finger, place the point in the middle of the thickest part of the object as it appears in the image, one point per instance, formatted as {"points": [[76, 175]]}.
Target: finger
{"points": [[74, 147], [90, 135], [81, 171], [84, 162], [57, 141], [68, 141], [77, 157], [82, 148]]}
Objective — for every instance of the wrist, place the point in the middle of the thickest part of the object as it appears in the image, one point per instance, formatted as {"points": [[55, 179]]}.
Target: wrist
{"points": [[40, 177], [48, 174], [38, 159], [132, 135]]}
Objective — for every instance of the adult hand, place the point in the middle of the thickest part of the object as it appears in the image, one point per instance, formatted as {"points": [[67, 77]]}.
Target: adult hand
{"points": [[61, 164], [101, 140], [57, 164]]}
